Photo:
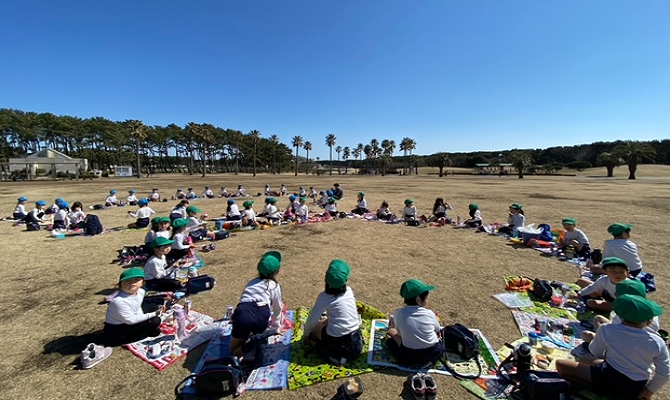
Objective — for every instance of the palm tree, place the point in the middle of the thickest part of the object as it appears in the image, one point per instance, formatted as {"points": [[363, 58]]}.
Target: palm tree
{"points": [[297, 143], [330, 142], [609, 161], [407, 145], [274, 139], [338, 150], [520, 160], [138, 131], [357, 153], [359, 150], [634, 152], [346, 153], [308, 148], [255, 137]]}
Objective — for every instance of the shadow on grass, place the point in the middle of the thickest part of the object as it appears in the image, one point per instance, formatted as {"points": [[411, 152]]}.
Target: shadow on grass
{"points": [[72, 344]]}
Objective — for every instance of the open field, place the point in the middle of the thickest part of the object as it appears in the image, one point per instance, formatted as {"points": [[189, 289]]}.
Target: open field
{"points": [[51, 288]]}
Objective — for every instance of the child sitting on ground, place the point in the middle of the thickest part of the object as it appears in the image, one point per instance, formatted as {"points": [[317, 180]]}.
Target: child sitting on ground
{"points": [[600, 294], [362, 206], [409, 213], [384, 213], [179, 211], [413, 334], [158, 275], [249, 215], [36, 216], [440, 211], [111, 199], [313, 195], [302, 211], [475, 220], [125, 321], [302, 192], [208, 193], [77, 216], [196, 228], [160, 227], [270, 211], [260, 307], [179, 195], [61, 218], [223, 192], [624, 354], [233, 211], [131, 200], [190, 195], [182, 245], [240, 191], [154, 195], [620, 246], [575, 238], [282, 190], [515, 220], [331, 208], [143, 215], [336, 337], [20, 209]]}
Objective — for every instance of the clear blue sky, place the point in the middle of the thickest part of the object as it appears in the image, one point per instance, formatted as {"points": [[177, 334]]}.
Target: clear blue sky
{"points": [[453, 75]]}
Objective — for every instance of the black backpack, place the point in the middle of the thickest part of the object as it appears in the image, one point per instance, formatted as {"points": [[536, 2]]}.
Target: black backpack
{"points": [[92, 225], [543, 385], [217, 378], [542, 289], [462, 341]]}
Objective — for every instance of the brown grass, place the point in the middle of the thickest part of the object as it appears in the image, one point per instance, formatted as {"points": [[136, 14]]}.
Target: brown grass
{"points": [[52, 287]]}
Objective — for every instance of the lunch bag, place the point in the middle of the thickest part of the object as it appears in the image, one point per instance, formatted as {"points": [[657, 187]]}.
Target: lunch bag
{"points": [[462, 341], [542, 289], [544, 385], [200, 284], [217, 378]]}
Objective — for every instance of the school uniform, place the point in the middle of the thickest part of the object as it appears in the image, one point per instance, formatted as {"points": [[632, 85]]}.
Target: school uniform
{"points": [[384, 213], [20, 212], [77, 219], [629, 353], [271, 213], [419, 329], [159, 276], [234, 213], [625, 250], [580, 237], [441, 211], [514, 221], [475, 219], [283, 191], [341, 337], [250, 217], [652, 328], [208, 193], [34, 219], [313, 194], [331, 209], [409, 213], [180, 195], [154, 196], [131, 200], [259, 308], [180, 246], [143, 216], [126, 322], [178, 212], [323, 201], [361, 208], [111, 200], [241, 193], [60, 219], [302, 193], [602, 287], [223, 193]]}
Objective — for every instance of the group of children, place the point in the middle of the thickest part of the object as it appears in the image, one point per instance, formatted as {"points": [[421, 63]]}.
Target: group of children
{"points": [[60, 215]]}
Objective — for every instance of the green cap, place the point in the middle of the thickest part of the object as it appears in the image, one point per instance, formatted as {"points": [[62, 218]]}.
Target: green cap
{"points": [[159, 220], [413, 288], [516, 206], [302, 199], [361, 193], [179, 223], [473, 206], [618, 229], [131, 273], [160, 242], [611, 261], [409, 201], [636, 309], [247, 203], [271, 200], [569, 221], [631, 286], [269, 263], [337, 274], [192, 209]]}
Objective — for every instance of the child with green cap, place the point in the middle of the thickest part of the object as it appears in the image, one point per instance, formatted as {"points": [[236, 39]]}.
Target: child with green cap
{"points": [[126, 321], [249, 215], [181, 244], [158, 274], [600, 294], [260, 307], [475, 220], [413, 335], [516, 218], [160, 226], [337, 338], [409, 213], [574, 237], [196, 227], [361, 206], [624, 354], [621, 246], [302, 211], [270, 211]]}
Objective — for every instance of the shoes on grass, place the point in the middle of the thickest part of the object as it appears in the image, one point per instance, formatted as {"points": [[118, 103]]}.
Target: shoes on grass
{"points": [[431, 387], [93, 354], [415, 387]]}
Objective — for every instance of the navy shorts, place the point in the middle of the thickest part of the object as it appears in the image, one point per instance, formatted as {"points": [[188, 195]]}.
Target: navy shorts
{"points": [[607, 380], [142, 222], [250, 318], [415, 357], [335, 349]]}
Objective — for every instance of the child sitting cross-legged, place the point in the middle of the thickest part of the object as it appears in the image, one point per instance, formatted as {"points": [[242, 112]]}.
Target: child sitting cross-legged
{"points": [[158, 275], [337, 336], [600, 294], [624, 354]]}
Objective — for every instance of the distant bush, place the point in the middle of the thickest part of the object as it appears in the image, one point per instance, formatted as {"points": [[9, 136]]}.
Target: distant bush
{"points": [[579, 165]]}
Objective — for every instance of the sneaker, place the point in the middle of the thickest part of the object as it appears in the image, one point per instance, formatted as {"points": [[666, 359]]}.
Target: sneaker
{"points": [[431, 387], [352, 389], [93, 354], [205, 249], [416, 387]]}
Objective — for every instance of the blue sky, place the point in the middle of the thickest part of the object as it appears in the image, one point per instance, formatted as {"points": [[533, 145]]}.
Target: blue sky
{"points": [[453, 75]]}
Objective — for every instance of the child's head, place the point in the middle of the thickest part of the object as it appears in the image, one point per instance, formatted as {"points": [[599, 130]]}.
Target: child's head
{"points": [[269, 264], [112, 192], [409, 203], [160, 224], [239, 186], [636, 310], [230, 202], [361, 195], [132, 191], [615, 268], [40, 204], [620, 231], [131, 280], [271, 200], [155, 190], [77, 205], [302, 200], [248, 204], [63, 205], [631, 286], [439, 201], [415, 292], [322, 193], [161, 246], [337, 276], [331, 200], [190, 189], [292, 198], [142, 203], [183, 203], [569, 224], [22, 200], [385, 204], [58, 200], [473, 206], [179, 224], [515, 208], [192, 210]]}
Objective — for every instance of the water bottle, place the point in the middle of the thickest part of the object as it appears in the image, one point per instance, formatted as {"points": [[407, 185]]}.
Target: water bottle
{"points": [[192, 272], [180, 318]]}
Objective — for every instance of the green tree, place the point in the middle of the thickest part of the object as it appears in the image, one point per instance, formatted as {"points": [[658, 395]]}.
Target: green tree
{"points": [[297, 143], [308, 147], [521, 160], [338, 150], [330, 142], [138, 131], [274, 139], [346, 153], [407, 145], [255, 137], [439, 160], [633, 153]]}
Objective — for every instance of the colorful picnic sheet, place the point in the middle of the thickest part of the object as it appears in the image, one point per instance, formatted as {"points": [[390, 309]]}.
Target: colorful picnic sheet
{"points": [[164, 350], [379, 355], [566, 333], [307, 368]]}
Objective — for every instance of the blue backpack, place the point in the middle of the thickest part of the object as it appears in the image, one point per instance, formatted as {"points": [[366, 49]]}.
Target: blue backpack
{"points": [[546, 233], [92, 225]]}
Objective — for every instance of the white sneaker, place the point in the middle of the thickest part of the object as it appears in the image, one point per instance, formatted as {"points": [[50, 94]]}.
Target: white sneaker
{"points": [[93, 354]]}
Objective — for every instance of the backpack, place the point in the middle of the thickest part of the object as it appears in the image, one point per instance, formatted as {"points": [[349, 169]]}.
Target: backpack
{"points": [[92, 225], [217, 378], [462, 341], [545, 235], [542, 289], [200, 284], [543, 385], [220, 235], [33, 226]]}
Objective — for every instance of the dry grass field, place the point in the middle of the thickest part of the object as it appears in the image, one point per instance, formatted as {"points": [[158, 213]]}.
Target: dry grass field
{"points": [[51, 288]]}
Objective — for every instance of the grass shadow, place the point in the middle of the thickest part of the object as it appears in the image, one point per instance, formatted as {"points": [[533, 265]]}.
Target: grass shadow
{"points": [[72, 344]]}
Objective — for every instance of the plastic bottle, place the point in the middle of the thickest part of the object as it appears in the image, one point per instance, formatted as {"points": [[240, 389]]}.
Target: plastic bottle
{"points": [[192, 272], [180, 318]]}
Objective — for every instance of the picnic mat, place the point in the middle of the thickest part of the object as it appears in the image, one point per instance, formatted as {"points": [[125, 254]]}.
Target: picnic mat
{"points": [[200, 328], [307, 368], [567, 336], [379, 355], [273, 373]]}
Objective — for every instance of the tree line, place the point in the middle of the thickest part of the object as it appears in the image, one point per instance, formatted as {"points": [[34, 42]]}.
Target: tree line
{"points": [[204, 148]]}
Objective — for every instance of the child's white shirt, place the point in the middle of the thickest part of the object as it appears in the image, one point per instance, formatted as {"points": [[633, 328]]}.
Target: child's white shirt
{"points": [[271, 211], [157, 268], [125, 309], [234, 210], [302, 210], [418, 327], [111, 199], [600, 286], [331, 207], [77, 216], [343, 317], [408, 212], [179, 241], [61, 215], [20, 209], [265, 291], [363, 204], [625, 250], [131, 198], [144, 212], [155, 196], [208, 193], [249, 214]]}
